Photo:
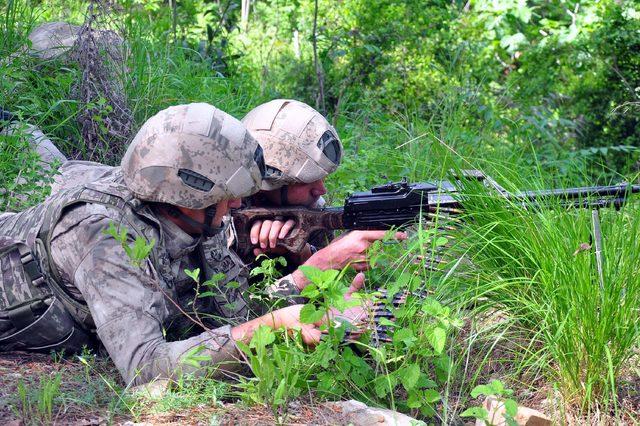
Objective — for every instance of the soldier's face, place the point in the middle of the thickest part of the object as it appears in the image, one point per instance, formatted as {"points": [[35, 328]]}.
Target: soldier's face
{"points": [[299, 194], [222, 208]]}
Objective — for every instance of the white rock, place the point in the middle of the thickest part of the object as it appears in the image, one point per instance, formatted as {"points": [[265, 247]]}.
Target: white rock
{"points": [[359, 414], [524, 417], [154, 390]]}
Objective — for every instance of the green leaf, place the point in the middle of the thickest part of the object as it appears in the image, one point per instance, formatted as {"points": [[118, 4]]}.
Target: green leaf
{"points": [[279, 393], [310, 315], [321, 278], [312, 273], [432, 307], [262, 337], [405, 336], [387, 322], [440, 241], [522, 12], [481, 390], [232, 284], [427, 410], [414, 400], [310, 291], [426, 382], [512, 42], [437, 338], [193, 274], [141, 248], [409, 376], [383, 385], [497, 387], [477, 412], [193, 358], [432, 395], [325, 354], [511, 407]]}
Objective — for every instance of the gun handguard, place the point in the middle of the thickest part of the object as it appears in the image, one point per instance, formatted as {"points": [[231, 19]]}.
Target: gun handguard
{"points": [[307, 221]]}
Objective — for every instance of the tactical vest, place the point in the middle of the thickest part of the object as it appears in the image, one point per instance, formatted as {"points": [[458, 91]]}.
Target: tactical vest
{"points": [[36, 313]]}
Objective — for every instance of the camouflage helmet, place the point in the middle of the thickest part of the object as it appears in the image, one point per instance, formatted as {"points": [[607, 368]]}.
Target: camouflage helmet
{"points": [[300, 146], [192, 156]]}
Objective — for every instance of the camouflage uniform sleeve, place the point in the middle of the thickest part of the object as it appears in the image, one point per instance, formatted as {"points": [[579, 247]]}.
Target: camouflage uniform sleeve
{"points": [[285, 288], [129, 308]]}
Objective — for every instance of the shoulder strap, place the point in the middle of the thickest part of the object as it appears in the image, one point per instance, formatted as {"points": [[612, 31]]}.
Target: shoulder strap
{"points": [[123, 202]]}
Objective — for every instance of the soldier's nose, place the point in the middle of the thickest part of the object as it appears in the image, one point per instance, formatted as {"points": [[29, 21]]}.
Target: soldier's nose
{"points": [[318, 188]]}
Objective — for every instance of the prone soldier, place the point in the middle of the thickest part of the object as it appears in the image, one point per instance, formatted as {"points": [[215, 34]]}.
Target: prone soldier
{"points": [[301, 149], [67, 284]]}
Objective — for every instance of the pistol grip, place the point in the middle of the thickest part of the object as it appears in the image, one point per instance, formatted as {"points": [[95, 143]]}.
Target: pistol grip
{"points": [[296, 240]]}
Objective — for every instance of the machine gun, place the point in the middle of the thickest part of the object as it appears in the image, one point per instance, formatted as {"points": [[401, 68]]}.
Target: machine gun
{"points": [[396, 205]]}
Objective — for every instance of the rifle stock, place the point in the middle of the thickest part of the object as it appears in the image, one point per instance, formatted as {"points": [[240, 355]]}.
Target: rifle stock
{"points": [[307, 221]]}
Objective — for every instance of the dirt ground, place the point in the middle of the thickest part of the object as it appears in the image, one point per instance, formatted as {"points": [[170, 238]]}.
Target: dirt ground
{"points": [[88, 395], [91, 393]]}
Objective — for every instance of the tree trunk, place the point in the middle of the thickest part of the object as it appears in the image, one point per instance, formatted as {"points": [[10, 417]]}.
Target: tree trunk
{"points": [[320, 105], [244, 13]]}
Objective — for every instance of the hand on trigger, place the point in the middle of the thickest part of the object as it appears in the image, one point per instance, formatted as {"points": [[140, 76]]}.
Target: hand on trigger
{"points": [[265, 235]]}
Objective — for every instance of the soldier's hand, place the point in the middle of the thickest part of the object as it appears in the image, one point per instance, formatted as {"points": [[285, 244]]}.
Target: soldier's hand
{"points": [[349, 249], [265, 234], [357, 314], [287, 318]]}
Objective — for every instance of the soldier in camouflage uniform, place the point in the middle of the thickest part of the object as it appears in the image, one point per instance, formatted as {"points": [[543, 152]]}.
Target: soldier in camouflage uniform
{"points": [[66, 283], [300, 149]]}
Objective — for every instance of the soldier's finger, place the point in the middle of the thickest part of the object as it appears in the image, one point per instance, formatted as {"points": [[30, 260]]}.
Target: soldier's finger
{"points": [[288, 226], [257, 252], [378, 235], [264, 233], [372, 235], [400, 236], [310, 335], [276, 226], [255, 231], [360, 264], [361, 267], [356, 284]]}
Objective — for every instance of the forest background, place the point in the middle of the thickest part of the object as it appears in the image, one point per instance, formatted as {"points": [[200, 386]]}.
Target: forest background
{"points": [[534, 93]]}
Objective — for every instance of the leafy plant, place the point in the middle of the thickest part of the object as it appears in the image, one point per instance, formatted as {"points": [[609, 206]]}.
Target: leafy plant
{"points": [[496, 389], [136, 252], [278, 369], [37, 404]]}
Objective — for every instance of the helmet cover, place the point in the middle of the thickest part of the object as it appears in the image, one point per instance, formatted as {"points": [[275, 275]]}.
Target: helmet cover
{"points": [[300, 146], [192, 156]]}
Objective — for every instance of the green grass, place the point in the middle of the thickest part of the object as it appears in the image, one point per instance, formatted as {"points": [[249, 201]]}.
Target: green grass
{"points": [[539, 267]]}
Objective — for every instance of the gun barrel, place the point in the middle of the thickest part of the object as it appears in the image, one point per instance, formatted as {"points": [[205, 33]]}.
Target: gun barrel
{"points": [[616, 191]]}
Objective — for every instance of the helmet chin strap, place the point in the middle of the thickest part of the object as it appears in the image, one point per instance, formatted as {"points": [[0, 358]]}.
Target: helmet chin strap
{"points": [[206, 228], [284, 195]]}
